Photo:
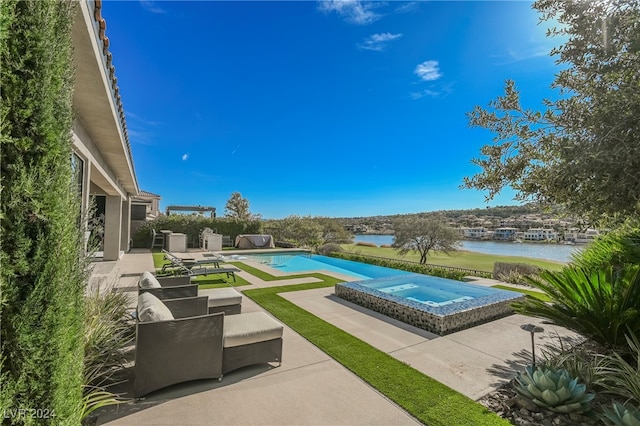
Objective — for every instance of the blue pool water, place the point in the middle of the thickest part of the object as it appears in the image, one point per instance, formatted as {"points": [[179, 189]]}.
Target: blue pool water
{"points": [[429, 290], [438, 305], [304, 262], [424, 290]]}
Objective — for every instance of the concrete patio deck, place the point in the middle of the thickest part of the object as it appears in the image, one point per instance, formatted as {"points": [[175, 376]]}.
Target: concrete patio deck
{"points": [[310, 388]]}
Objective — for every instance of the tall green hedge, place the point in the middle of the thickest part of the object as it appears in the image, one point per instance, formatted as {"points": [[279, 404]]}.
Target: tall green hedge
{"points": [[43, 266], [192, 226]]}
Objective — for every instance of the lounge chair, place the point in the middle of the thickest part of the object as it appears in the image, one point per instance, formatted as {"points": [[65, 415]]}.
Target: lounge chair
{"points": [[196, 268], [227, 300], [190, 262], [203, 270], [178, 341]]}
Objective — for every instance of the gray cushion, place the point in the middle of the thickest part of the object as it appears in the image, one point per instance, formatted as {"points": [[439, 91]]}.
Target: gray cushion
{"points": [[253, 327], [222, 296], [150, 308], [147, 280]]}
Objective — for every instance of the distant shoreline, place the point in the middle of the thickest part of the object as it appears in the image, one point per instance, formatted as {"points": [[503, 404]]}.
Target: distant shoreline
{"points": [[552, 251], [489, 241]]}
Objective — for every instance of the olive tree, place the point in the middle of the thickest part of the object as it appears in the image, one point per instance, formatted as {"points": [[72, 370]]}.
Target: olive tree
{"points": [[583, 150], [423, 235], [302, 231]]}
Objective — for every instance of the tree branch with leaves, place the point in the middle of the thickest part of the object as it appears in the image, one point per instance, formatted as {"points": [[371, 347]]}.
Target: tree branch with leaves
{"points": [[583, 150]]}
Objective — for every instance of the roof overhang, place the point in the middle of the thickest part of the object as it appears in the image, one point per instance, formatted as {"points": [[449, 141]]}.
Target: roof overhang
{"points": [[96, 97]]}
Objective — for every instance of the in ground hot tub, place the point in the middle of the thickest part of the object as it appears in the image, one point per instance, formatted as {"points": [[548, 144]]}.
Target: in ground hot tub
{"points": [[438, 305]]}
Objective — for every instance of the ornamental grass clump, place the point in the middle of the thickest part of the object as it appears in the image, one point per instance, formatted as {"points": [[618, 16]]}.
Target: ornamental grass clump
{"points": [[553, 389], [108, 332]]}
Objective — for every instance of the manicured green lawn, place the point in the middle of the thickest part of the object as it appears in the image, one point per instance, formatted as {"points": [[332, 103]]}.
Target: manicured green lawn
{"points": [[460, 259], [426, 399]]}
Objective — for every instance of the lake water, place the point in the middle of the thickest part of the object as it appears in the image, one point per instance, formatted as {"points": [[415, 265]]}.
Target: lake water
{"points": [[557, 252]]}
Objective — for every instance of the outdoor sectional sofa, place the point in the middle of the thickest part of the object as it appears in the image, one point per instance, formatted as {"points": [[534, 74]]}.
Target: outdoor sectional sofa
{"points": [[177, 340], [226, 299]]}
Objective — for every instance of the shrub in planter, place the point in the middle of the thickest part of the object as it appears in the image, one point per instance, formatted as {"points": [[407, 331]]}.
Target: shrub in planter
{"points": [[514, 273]]}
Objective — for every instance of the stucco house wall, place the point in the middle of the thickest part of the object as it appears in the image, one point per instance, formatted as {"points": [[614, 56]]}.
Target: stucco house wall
{"points": [[100, 140]]}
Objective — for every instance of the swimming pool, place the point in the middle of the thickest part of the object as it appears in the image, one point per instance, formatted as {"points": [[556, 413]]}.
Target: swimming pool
{"points": [[435, 304], [293, 262], [438, 305]]}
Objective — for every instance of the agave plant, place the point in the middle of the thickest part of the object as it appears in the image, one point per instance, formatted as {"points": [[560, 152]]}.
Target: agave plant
{"points": [[621, 415], [553, 389]]}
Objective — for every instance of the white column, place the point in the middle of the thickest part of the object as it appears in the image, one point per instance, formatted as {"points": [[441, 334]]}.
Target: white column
{"points": [[112, 227], [125, 232]]}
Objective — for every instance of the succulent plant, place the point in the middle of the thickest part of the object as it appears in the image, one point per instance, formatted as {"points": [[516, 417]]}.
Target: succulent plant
{"points": [[621, 415], [553, 389]]}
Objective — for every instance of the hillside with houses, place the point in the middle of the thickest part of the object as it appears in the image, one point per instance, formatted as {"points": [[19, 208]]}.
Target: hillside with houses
{"points": [[503, 223]]}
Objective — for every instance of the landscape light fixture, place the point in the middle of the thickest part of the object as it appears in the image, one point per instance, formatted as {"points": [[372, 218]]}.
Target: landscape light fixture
{"points": [[532, 328]]}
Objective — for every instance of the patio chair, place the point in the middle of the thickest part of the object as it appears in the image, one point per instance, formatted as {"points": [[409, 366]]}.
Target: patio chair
{"points": [[226, 241], [178, 341], [173, 287], [227, 300], [157, 239]]}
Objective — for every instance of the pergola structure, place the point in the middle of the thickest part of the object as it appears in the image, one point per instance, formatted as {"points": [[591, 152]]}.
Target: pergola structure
{"points": [[199, 209]]}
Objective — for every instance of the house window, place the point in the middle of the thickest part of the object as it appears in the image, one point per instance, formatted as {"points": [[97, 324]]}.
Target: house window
{"points": [[77, 168], [138, 212]]}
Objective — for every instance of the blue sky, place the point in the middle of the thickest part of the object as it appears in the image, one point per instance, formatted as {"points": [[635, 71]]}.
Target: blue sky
{"points": [[336, 109]]}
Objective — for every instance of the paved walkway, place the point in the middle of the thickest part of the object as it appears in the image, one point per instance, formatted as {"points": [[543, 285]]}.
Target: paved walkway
{"points": [[310, 388]]}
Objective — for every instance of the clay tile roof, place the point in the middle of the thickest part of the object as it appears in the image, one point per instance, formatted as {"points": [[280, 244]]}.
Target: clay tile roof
{"points": [[112, 76], [148, 194]]}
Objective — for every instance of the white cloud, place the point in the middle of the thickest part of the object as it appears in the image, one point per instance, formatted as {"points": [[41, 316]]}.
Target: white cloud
{"points": [[407, 7], [151, 6], [514, 55], [353, 11], [378, 42], [423, 93], [428, 71], [436, 90], [184, 157]]}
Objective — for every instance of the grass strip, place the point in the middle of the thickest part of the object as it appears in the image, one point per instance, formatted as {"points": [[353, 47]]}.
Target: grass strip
{"points": [[532, 293], [426, 399]]}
